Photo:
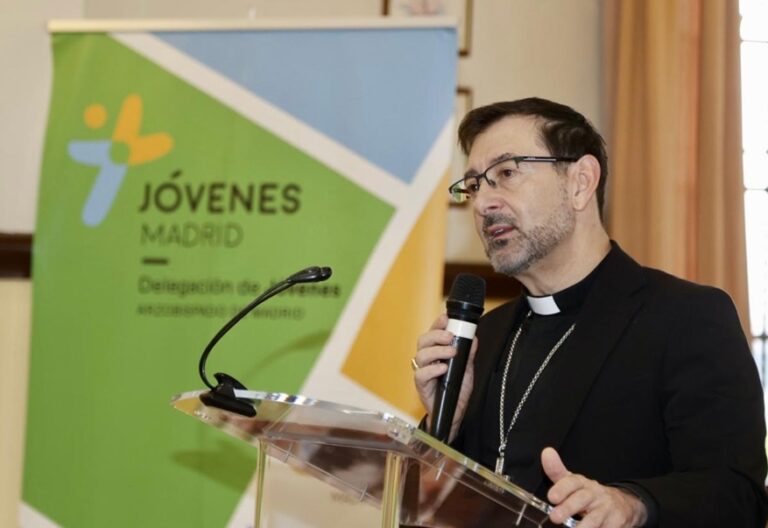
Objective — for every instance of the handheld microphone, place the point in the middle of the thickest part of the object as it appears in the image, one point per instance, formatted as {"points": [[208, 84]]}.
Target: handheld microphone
{"points": [[223, 394], [465, 306]]}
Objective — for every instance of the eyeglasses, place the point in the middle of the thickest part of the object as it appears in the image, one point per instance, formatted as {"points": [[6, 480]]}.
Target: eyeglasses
{"points": [[502, 173]]}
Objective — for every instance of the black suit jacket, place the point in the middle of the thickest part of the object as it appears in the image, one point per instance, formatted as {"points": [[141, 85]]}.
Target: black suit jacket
{"points": [[656, 386]]}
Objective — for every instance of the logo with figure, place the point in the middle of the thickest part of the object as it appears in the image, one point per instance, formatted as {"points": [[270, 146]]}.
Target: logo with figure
{"points": [[126, 148]]}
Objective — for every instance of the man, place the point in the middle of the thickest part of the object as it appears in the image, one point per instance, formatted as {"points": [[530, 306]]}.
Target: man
{"points": [[603, 369]]}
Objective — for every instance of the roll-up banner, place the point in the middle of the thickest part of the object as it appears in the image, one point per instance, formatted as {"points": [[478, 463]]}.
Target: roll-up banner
{"points": [[185, 171]]}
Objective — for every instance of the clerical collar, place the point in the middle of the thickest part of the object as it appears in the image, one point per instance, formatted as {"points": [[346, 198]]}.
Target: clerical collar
{"points": [[568, 299], [543, 305]]}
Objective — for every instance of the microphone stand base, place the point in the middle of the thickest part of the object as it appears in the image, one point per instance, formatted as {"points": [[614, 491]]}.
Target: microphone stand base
{"points": [[223, 396]]}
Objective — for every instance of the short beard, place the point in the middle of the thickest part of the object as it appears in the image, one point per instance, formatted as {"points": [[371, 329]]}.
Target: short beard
{"points": [[526, 248]]}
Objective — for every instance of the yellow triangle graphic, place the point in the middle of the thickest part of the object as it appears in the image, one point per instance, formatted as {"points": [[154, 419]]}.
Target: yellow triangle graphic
{"points": [[409, 301]]}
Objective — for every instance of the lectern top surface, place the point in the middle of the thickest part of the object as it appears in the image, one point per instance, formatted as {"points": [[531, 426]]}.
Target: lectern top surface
{"points": [[347, 448]]}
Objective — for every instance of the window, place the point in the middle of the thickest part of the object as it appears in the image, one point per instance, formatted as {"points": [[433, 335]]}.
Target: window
{"points": [[754, 91]]}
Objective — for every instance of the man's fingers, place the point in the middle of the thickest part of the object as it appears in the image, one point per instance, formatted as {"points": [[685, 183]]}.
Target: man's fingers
{"points": [[553, 465], [440, 323], [565, 487], [426, 374], [601, 506], [434, 337], [472, 352], [597, 519], [427, 356], [576, 503]]}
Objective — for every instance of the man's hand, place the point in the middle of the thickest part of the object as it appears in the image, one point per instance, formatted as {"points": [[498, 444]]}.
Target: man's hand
{"points": [[433, 350], [601, 506]]}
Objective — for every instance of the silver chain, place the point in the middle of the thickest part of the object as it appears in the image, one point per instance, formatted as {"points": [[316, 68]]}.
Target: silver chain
{"points": [[502, 436]]}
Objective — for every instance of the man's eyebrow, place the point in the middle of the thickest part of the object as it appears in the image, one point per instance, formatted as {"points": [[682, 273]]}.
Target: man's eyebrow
{"points": [[471, 173]]}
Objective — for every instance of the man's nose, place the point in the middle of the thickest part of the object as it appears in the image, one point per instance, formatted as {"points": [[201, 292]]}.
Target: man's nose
{"points": [[487, 198]]}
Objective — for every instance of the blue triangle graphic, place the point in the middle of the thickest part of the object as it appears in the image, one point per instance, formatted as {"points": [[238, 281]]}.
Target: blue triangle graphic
{"points": [[383, 93]]}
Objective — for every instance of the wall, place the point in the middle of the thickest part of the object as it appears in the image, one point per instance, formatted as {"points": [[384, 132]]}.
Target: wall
{"points": [[549, 48], [25, 61], [15, 306], [544, 48]]}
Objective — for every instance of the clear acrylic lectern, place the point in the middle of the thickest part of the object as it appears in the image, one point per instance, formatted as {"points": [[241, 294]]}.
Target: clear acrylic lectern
{"points": [[414, 479]]}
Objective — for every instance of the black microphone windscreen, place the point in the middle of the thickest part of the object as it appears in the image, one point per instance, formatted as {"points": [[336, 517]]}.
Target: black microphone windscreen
{"points": [[468, 288], [311, 274]]}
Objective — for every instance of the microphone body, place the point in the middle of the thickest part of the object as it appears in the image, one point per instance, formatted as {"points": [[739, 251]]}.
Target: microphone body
{"points": [[464, 306]]}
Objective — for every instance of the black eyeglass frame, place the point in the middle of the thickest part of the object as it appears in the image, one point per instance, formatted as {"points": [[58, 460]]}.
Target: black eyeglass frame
{"points": [[455, 190]]}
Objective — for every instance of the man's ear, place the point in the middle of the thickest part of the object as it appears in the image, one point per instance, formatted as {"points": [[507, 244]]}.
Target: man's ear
{"points": [[584, 176]]}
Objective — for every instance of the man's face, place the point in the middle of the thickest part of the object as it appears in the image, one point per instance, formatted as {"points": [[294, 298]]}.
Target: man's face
{"points": [[522, 222]]}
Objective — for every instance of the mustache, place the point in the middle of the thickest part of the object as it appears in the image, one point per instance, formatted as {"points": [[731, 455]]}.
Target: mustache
{"points": [[492, 219]]}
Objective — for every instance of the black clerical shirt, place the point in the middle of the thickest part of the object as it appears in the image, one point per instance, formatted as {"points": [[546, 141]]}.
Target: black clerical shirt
{"points": [[539, 334]]}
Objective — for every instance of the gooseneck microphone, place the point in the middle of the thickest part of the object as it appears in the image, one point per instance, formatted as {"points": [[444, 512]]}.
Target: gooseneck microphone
{"points": [[465, 306], [223, 394]]}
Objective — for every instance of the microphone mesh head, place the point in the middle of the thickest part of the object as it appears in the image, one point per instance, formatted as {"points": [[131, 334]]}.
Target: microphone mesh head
{"points": [[468, 288]]}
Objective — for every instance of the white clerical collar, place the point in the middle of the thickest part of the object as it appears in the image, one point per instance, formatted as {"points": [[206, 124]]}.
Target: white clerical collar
{"points": [[543, 305]]}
